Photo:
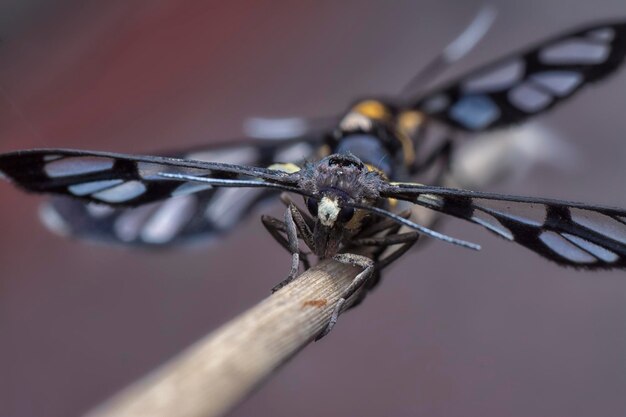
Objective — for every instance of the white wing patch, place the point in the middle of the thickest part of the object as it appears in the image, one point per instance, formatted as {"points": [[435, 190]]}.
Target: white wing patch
{"points": [[121, 193], [529, 98], [475, 112], [241, 155], [600, 224], [565, 248], [575, 51], [87, 188], [228, 204], [561, 83], [497, 79], [597, 251], [169, 219], [80, 165]]}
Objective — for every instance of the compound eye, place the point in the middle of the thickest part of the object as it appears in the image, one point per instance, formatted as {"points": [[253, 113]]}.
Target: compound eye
{"points": [[345, 214], [311, 205]]}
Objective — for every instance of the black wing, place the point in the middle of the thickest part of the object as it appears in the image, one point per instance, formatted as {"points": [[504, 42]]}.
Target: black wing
{"points": [[125, 199], [568, 233], [529, 82]]}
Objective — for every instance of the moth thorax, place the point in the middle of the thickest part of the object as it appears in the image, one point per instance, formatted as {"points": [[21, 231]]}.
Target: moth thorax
{"points": [[327, 211]]}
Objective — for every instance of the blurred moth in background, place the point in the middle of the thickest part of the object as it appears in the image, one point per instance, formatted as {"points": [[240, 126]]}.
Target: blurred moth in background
{"points": [[352, 170]]}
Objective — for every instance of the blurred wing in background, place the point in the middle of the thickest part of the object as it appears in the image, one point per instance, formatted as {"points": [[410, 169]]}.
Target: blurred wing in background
{"points": [[530, 82], [177, 214]]}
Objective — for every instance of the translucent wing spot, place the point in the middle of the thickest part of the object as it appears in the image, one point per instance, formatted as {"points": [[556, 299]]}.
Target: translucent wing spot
{"points": [[129, 224], [229, 204], [606, 34], [190, 188], [574, 51], [528, 98], [92, 187], [566, 249], [525, 213], [436, 103], [496, 79], [48, 158], [121, 193], [77, 165], [598, 251], [430, 200], [53, 220], [246, 155], [561, 83], [600, 223], [169, 219], [99, 210], [475, 112], [492, 224]]}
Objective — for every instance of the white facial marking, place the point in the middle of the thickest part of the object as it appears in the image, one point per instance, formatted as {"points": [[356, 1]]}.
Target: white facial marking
{"points": [[77, 165], [169, 219], [92, 187], [574, 51], [496, 79], [327, 211], [122, 192]]}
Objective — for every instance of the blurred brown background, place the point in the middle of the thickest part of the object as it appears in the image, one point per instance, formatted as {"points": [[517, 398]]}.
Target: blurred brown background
{"points": [[449, 333]]}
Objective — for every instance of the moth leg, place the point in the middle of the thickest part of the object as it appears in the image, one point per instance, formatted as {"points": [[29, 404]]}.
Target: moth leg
{"points": [[306, 218], [357, 283], [290, 243], [407, 240], [410, 239], [275, 227], [305, 231], [385, 225]]}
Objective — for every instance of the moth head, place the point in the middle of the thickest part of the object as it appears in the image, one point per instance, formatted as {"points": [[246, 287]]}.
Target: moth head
{"points": [[331, 209]]}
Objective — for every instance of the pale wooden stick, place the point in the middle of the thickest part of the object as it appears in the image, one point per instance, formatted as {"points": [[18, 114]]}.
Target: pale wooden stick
{"points": [[212, 376]]}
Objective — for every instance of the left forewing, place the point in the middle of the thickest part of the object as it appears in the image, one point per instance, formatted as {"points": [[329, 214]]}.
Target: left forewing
{"points": [[568, 233], [124, 180]]}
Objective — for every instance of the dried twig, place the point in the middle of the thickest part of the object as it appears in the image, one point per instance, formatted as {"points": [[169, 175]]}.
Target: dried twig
{"points": [[214, 374]]}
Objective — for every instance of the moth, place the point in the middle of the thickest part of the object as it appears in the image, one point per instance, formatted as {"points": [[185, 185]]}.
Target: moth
{"points": [[356, 170]]}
